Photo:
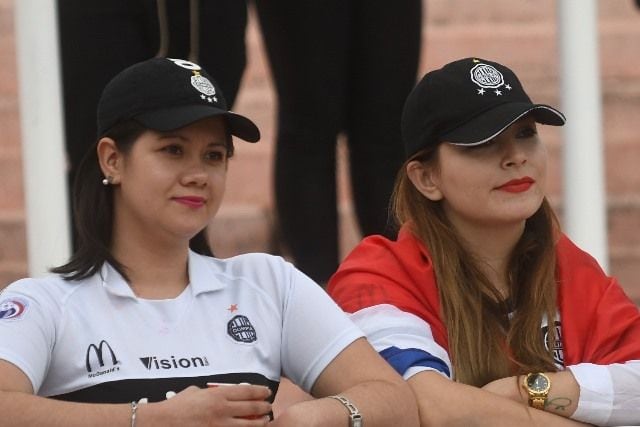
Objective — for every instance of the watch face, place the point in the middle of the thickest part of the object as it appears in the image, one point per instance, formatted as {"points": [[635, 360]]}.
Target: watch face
{"points": [[537, 382]]}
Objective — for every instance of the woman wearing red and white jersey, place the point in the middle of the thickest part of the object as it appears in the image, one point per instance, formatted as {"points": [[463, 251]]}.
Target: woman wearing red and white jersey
{"points": [[488, 310]]}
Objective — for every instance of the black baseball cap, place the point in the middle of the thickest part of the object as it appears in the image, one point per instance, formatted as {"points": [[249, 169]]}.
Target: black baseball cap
{"points": [[165, 94], [467, 102]]}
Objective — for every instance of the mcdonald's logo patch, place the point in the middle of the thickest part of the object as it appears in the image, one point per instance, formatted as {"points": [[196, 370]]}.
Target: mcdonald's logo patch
{"points": [[101, 359]]}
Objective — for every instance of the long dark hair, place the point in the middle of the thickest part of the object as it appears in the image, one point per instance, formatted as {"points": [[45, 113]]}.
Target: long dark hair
{"points": [[472, 308], [93, 210]]}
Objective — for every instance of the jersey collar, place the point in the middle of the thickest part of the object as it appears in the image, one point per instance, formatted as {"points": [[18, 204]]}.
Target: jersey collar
{"points": [[203, 277]]}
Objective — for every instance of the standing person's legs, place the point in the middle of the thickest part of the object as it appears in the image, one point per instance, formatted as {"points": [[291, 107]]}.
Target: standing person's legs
{"points": [[221, 42], [97, 40], [306, 43], [383, 66]]}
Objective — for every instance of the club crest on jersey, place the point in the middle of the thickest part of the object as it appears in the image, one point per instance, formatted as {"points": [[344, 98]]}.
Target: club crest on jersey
{"points": [[13, 308], [556, 347], [240, 329]]}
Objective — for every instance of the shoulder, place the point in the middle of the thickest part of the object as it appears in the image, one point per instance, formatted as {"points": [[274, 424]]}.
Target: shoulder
{"points": [[570, 256], [51, 285], [268, 274], [576, 266], [248, 265], [381, 253], [383, 271], [50, 292]]}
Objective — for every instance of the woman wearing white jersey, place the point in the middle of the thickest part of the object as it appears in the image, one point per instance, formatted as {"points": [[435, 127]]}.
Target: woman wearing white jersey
{"points": [[142, 318]]}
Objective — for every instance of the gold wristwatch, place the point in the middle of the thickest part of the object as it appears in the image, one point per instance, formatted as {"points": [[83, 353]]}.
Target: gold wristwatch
{"points": [[537, 385]]}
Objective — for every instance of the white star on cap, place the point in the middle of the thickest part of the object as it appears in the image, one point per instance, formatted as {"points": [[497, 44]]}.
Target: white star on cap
{"points": [[209, 99], [498, 93], [202, 96], [508, 87], [480, 91]]}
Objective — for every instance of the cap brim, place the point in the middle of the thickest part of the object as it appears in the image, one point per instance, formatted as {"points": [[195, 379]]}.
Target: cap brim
{"points": [[491, 123], [176, 117]]}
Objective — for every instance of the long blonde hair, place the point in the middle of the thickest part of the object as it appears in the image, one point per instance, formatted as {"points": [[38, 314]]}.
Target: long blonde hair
{"points": [[488, 337]]}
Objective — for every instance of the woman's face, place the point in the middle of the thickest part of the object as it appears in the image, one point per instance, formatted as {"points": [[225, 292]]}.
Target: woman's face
{"points": [[171, 183], [493, 184]]}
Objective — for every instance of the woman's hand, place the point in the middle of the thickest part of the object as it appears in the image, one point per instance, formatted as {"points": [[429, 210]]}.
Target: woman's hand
{"points": [[237, 405], [563, 394]]}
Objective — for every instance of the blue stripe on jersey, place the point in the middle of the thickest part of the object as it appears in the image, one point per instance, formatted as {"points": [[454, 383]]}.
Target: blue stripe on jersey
{"points": [[403, 359]]}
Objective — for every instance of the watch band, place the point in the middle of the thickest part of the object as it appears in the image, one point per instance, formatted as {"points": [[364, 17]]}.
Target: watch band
{"points": [[355, 418], [537, 402]]}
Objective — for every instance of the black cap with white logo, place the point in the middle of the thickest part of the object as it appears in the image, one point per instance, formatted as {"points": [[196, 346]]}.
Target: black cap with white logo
{"points": [[166, 94], [467, 102]]}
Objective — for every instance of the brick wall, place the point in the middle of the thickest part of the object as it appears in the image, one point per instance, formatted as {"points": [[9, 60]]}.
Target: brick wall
{"points": [[521, 34], [13, 253]]}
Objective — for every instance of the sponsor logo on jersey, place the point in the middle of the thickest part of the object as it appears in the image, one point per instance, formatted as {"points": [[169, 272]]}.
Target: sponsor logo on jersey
{"points": [[240, 329], [13, 308], [101, 359], [173, 362], [556, 346]]}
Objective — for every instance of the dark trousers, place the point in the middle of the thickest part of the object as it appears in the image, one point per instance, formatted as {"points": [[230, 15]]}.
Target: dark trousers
{"points": [[339, 66]]}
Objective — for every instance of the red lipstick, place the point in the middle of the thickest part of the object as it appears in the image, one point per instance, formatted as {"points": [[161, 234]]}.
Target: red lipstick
{"points": [[191, 201], [517, 185]]}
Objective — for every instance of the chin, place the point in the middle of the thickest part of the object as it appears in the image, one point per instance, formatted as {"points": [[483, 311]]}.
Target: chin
{"points": [[188, 233]]}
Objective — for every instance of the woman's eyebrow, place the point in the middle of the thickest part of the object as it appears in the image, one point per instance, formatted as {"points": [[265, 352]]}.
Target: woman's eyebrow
{"points": [[185, 139]]}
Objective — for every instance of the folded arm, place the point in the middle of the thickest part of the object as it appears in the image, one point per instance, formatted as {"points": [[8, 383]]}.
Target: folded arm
{"points": [[193, 406], [362, 376], [442, 402]]}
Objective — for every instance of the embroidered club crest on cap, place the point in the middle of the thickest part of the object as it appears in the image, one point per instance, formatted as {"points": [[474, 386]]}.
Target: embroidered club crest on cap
{"points": [[203, 85], [13, 308], [486, 76], [198, 81]]}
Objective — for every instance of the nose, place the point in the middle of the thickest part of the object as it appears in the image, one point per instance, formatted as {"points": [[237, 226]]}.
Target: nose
{"points": [[514, 154], [195, 174]]}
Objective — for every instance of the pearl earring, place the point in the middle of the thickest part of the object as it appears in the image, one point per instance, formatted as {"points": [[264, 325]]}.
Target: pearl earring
{"points": [[106, 181]]}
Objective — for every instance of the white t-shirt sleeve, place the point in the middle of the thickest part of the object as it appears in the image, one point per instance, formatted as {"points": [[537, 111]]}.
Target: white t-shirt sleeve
{"points": [[609, 394], [315, 330], [27, 329], [403, 339]]}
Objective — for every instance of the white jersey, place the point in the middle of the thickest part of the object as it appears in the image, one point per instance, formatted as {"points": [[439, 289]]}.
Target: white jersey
{"points": [[249, 319]]}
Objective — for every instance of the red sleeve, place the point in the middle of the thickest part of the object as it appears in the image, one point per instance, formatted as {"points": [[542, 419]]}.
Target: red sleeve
{"points": [[399, 273], [600, 323]]}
